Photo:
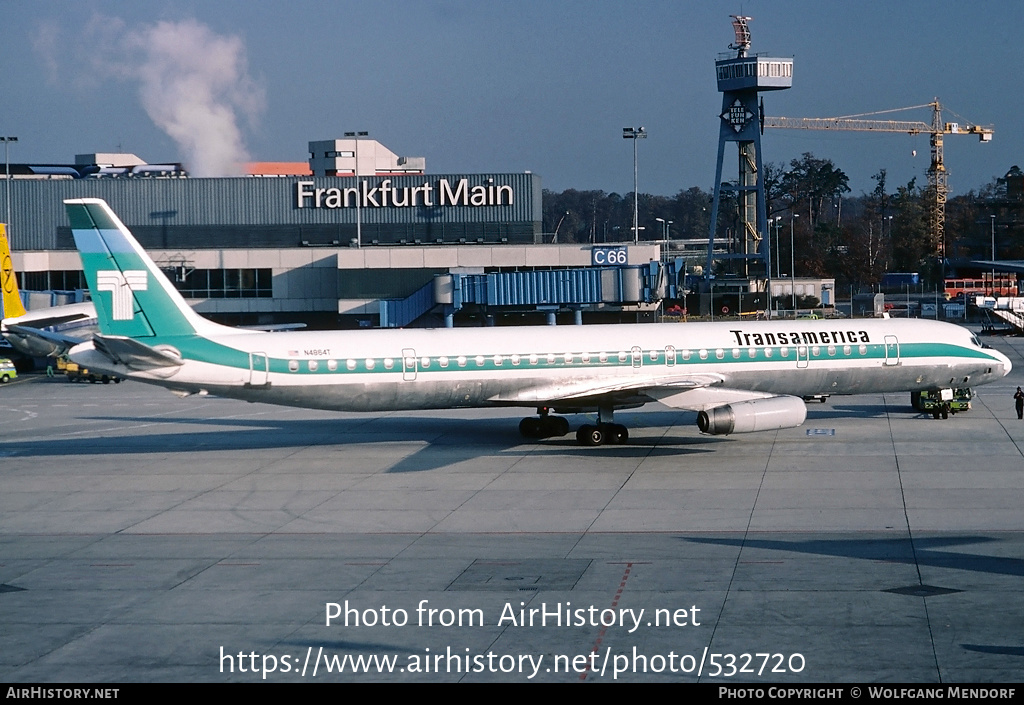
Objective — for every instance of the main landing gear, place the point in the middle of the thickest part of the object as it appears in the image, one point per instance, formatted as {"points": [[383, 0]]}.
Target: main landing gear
{"points": [[605, 432], [610, 433], [544, 426]]}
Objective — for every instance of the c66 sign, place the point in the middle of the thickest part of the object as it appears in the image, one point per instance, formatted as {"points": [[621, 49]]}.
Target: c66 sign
{"points": [[604, 256]]}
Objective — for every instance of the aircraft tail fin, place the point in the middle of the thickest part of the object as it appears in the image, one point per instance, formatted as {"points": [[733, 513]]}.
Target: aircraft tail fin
{"points": [[12, 305], [133, 298]]}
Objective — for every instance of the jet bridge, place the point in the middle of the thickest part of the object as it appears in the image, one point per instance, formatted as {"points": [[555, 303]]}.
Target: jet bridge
{"points": [[543, 290], [1008, 308]]}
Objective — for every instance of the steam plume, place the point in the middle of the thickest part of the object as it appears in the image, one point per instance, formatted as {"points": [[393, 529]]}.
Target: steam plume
{"points": [[195, 84]]}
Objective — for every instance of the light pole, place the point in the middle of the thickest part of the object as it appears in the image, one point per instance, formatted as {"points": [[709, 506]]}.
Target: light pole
{"points": [[555, 238], [359, 218], [664, 228], [792, 260], [775, 223], [888, 243], [7, 178], [778, 247], [635, 133], [665, 253], [992, 220], [768, 278]]}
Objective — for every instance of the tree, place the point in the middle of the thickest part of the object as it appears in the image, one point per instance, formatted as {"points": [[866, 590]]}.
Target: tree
{"points": [[596, 216], [913, 245], [775, 195], [690, 212], [811, 180]]}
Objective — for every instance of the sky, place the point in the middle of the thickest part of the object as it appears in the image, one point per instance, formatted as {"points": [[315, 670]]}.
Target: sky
{"points": [[492, 87]]}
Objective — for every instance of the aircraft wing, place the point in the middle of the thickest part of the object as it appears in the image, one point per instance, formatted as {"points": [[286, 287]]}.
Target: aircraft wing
{"points": [[695, 392], [133, 354], [704, 398], [38, 342], [585, 389]]}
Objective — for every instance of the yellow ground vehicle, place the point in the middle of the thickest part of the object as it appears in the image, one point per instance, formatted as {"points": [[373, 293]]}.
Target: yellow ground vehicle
{"points": [[7, 371], [80, 374]]}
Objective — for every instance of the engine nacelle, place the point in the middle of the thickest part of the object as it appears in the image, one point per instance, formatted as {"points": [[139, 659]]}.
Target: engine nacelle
{"points": [[755, 415]]}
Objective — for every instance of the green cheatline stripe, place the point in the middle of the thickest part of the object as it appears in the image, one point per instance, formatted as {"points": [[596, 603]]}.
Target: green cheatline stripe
{"points": [[205, 350]]}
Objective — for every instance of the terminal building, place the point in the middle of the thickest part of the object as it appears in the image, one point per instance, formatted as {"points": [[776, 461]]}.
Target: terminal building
{"points": [[356, 236]]}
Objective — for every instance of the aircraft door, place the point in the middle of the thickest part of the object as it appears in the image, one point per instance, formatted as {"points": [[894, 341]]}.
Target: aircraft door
{"points": [[670, 355], [638, 357], [802, 356], [892, 350], [409, 364], [259, 369]]}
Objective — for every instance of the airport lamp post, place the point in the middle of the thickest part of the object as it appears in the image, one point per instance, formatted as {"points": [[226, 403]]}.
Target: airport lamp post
{"points": [[665, 253], [766, 250], [992, 220], [359, 218], [664, 228], [792, 260], [778, 248], [635, 133], [7, 179], [777, 224]]}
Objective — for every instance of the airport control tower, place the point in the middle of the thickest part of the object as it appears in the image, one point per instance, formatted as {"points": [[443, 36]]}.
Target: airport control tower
{"points": [[740, 79]]}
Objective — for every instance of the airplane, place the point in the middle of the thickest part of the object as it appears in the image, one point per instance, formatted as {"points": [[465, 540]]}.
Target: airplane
{"points": [[739, 376], [53, 331], [46, 332]]}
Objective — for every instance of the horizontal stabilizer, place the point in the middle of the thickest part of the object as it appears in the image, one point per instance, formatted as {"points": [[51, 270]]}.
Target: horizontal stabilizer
{"points": [[40, 342], [134, 354]]}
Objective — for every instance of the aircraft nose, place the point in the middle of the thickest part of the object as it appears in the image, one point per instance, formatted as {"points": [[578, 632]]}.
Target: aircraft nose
{"points": [[1006, 364]]}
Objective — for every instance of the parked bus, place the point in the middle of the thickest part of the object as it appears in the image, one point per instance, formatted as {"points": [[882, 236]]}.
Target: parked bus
{"points": [[1003, 285]]}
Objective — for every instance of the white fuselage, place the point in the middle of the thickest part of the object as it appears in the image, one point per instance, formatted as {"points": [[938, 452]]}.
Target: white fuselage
{"points": [[571, 367]]}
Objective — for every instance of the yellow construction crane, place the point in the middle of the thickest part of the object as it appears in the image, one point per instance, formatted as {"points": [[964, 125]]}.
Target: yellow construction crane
{"points": [[937, 175]]}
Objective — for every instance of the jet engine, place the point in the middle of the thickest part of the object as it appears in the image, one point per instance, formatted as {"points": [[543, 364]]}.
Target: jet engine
{"points": [[755, 415]]}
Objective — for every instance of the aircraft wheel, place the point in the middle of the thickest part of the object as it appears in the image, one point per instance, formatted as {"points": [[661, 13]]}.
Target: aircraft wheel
{"points": [[556, 426], [530, 427], [588, 435], [618, 434]]}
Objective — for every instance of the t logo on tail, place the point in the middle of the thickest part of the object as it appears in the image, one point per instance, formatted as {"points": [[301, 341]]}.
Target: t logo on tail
{"points": [[120, 285]]}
